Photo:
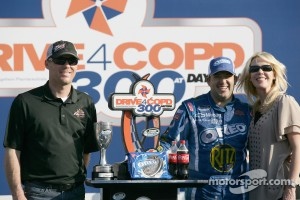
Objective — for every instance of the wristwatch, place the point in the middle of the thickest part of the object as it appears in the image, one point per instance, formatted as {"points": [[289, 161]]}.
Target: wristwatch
{"points": [[292, 183]]}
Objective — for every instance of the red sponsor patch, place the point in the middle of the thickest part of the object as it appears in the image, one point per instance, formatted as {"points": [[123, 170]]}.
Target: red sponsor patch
{"points": [[239, 112], [191, 107], [177, 116]]}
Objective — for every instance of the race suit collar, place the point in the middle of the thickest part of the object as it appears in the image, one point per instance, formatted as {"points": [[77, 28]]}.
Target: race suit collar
{"points": [[216, 107]]}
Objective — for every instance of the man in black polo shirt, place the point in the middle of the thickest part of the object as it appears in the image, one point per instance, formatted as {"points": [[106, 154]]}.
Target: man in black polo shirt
{"points": [[49, 134]]}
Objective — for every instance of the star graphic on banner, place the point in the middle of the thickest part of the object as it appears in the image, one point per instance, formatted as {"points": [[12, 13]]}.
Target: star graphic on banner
{"points": [[97, 13]]}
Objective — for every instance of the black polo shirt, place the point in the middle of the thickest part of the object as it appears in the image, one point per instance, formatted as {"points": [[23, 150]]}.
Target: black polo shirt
{"points": [[52, 135]]}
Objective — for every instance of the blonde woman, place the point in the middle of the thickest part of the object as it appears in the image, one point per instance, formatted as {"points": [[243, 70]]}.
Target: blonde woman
{"points": [[274, 132]]}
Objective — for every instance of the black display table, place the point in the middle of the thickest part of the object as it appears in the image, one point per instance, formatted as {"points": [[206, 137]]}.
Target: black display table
{"points": [[134, 189]]}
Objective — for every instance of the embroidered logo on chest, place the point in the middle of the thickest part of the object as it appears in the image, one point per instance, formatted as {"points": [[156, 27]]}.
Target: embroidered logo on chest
{"points": [[79, 113]]}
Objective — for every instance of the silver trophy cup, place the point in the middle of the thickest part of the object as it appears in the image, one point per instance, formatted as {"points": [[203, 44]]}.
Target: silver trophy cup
{"points": [[103, 132]]}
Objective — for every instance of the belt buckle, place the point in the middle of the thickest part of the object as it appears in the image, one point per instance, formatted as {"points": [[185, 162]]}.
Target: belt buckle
{"points": [[65, 187]]}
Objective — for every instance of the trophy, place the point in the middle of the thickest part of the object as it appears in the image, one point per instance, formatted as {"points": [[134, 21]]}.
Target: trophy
{"points": [[103, 132]]}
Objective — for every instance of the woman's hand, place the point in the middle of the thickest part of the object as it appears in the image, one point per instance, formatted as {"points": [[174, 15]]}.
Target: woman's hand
{"points": [[289, 193]]}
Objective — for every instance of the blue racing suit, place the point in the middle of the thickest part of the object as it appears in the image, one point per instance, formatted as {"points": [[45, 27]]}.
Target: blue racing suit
{"points": [[216, 139]]}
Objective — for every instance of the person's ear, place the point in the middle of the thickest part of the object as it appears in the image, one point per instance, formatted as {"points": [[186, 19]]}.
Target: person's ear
{"points": [[208, 80], [46, 64]]}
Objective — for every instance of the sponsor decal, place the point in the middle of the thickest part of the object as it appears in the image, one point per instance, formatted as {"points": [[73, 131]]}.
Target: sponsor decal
{"points": [[178, 114], [239, 112], [143, 198], [79, 113], [208, 136], [151, 132], [119, 196], [190, 106], [234, 129], [222, 61], [208, 117], [211, 135], [222, 157]]}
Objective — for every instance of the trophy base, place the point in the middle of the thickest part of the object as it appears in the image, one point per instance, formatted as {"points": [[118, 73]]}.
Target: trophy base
{"points": [[102, 172]]}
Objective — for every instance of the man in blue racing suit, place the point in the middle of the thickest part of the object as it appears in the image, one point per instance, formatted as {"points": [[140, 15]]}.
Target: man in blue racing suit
{"points": [[215, 126]]}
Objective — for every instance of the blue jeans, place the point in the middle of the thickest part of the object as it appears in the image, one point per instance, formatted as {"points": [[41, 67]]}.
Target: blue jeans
{"points": [[37, 192], [208, 192]]}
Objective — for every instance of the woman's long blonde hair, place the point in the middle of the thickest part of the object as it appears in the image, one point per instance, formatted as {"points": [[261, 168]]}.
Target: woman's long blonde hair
{"points": [[278, 87]]}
